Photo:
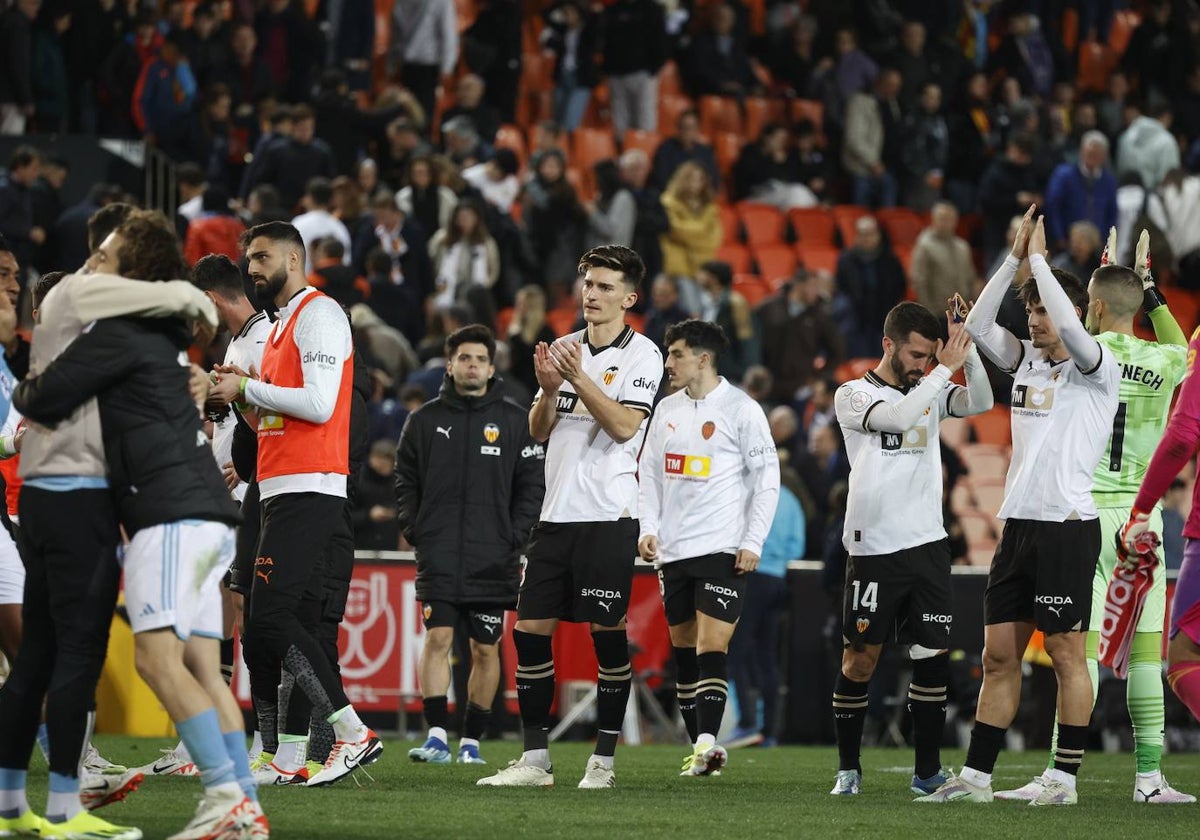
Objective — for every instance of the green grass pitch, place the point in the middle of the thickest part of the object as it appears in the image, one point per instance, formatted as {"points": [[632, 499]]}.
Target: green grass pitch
{"points": [[781, 792]]}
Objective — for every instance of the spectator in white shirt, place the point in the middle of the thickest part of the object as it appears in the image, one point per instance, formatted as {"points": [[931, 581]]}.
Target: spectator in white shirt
{"points": [[496, 179], [318, 223]]}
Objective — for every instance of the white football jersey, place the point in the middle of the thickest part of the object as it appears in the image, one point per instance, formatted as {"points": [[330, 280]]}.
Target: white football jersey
{"points": [[1061, 420], [245, 350], [709, 475], [589, 476], [895, 499]]}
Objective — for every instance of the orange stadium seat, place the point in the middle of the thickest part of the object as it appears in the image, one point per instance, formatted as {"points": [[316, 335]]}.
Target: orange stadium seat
{"points": [[811, 110], [636, 320], [775, 262], [812, 225], [901, 224], [670, 106], [985, 460], [992, 426], [537, 71], [818, 257], [763, 223], [504, 321], [591, 145], [727, 145], [730, 224], [1123, 25], [738, 257], [760, 111], [562, 319], [719, 113], [751, 287], [647, 141], [668, 81], [845, 216], [1095, 61], [854, 369]]}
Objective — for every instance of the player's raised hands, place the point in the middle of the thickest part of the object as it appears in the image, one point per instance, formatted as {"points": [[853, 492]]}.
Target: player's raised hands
{"points": [[953, 352], [1020, 248], [567, 355], [1141, 259], [547, 374], [1037, 238]]}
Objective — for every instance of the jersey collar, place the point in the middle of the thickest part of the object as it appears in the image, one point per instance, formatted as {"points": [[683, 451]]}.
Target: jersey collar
{"points": [[623, 338], [876, 379]]}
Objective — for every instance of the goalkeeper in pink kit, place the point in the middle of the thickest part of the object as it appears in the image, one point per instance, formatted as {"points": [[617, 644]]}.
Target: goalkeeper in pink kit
{"points": [[1179, 444]]}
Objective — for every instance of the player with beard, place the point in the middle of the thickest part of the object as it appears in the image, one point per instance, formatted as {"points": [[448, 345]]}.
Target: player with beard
{"points": [[303, 404], [898, 572]]}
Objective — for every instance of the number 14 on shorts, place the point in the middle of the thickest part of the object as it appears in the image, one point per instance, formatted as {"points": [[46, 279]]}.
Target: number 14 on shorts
{"points": [[868, 598]]}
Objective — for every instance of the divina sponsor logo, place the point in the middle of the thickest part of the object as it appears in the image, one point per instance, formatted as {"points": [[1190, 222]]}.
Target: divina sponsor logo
{"points": [[643, 382], [599, 593], [319, 357], [720, 590]]}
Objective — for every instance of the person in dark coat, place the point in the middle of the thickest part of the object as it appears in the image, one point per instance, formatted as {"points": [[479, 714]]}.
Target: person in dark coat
{"points": [[289, 163], [686, 144], [797, 329], [374, 510], [469, 485], [873, 279]]}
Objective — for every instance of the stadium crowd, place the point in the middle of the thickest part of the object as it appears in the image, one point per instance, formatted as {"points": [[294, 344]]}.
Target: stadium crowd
{"points": [[790, 170]]}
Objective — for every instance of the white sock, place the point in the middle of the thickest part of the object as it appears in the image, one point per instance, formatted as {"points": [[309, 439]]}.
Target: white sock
{"points": [[605, 760], [537, 758], [255, 745], [439, 733], [1062, 776], [347, 726], [181, 752], [292, 754], [1152, 776], [975, 777], [66, 805], [468, 742], [13, 802], [705, 740]]}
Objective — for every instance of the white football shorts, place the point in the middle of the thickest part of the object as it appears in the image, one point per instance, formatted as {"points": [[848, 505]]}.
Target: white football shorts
{"points": [[12, 571], [173, 577]]}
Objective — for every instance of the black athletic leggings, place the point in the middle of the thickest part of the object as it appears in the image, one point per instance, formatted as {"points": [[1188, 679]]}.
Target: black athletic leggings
{"points": [[68, 544]]}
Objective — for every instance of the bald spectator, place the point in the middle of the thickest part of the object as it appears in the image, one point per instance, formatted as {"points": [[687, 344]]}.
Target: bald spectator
{"points": [[941, 261], [1082, 255], [871, 277], [469, 103], [1084, 191], [1148, 147], [798, 333]]}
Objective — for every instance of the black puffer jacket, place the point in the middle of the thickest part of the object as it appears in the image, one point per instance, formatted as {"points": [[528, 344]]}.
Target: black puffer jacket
{"points": [[160, 466], [469, 487]]}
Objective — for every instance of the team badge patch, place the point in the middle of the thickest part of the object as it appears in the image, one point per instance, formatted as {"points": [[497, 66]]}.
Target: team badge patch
{"points": [[860, 400], [610, 374], [491, 432], [707, 429], [862, 624], [428, 611]]}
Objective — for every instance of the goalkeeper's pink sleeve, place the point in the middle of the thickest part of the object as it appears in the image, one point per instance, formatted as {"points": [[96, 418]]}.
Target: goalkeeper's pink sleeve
{"points": [[1179, 442]]}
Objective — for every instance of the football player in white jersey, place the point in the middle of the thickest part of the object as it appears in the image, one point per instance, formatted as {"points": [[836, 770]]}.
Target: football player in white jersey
{"points": [[709, 485], [898, 572], [597, 389], [1065, 396]]}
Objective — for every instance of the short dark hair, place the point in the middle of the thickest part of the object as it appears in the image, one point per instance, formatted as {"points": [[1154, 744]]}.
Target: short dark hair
{"points": [[4, 244], [379, 262], [215, 200], [1023, 142], [56, 160], [275, 232], [303, 111], [281, 114], [1071, 284], [720, 270], [22, 156], [906, 318], [699, 335], [43, 286], [320, 190], [1120, 288], [331, 248], [190, 174], [105, 220], [150, 248], [471, 334], [220, 275], [506, 161], [616, 258]]}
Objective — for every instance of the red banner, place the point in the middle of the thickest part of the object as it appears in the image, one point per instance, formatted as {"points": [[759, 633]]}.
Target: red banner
{"points": [[382, 635]]}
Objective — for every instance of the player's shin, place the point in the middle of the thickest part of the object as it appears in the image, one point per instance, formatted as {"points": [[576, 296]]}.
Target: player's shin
{"points": [[687, 674], [535, 690], [711, 694], [849, 714], [1144, 697], [613, 685], [927, 704]]}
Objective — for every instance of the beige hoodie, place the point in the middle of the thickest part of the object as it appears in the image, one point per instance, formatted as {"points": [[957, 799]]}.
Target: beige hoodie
{"points": [[75, 447]]}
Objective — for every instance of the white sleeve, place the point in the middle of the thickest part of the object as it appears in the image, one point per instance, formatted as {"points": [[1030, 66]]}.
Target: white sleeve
{"points": [[640, 385], [977, 397], [997, 343], [650, 481], [762, 478], [876, 415], [1084, 349], [323, 341]]}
